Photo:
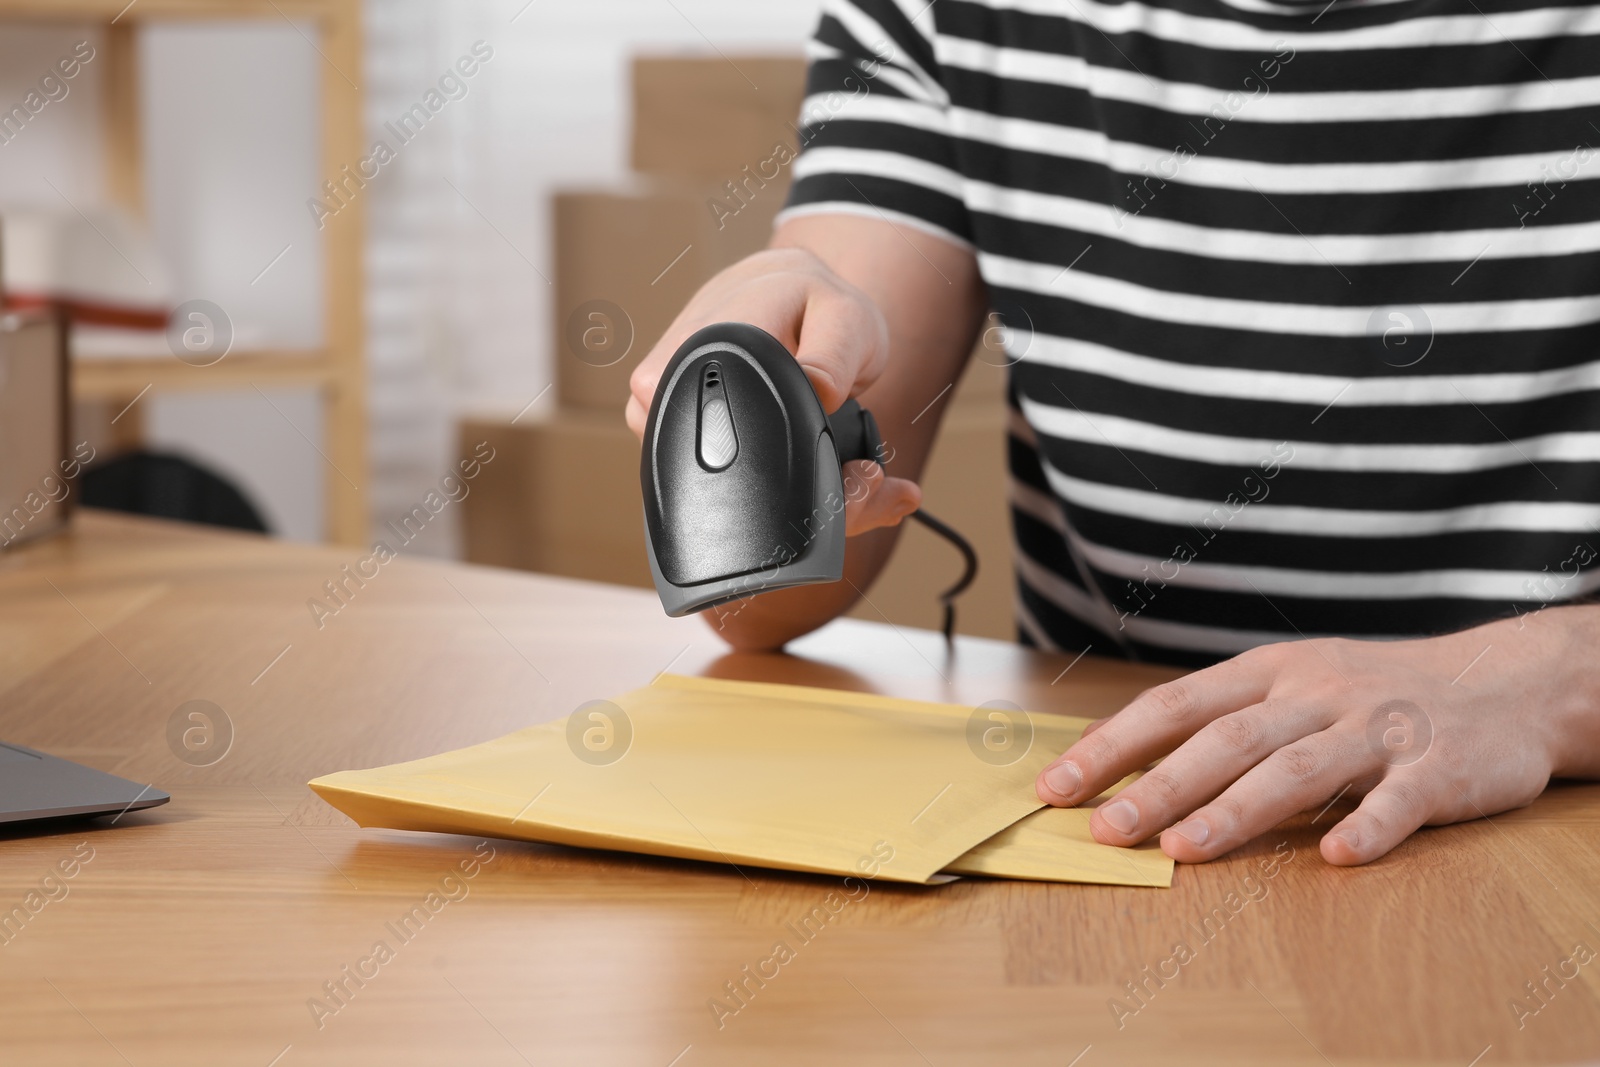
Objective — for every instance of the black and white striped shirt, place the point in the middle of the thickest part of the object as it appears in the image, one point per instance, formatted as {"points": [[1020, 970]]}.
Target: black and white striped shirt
{"points": [[1304, 299]]}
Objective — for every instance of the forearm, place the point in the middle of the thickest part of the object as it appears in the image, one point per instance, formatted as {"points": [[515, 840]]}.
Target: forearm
{"points": [[929, 292]]}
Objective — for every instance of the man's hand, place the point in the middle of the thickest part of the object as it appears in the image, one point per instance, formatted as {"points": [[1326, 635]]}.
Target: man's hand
{"points": [[837, 334], [1427, 732], [873, 310]]}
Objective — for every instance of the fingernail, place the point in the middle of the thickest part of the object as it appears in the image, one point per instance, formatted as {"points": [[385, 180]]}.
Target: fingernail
{"points": [[1121, 816], [1349, 837], [823, 383], [1064, 779], [1194, 831]]}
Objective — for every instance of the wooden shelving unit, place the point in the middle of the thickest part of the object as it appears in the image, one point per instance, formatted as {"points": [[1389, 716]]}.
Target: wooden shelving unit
{"points": [[338, 367]]}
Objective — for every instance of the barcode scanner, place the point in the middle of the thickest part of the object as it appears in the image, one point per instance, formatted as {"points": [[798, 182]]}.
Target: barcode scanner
{"points": [[740, 471]]}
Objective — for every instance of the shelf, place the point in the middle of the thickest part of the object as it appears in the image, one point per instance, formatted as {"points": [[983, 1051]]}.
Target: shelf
{"points": [[104, 379], [338, 368], [121, 11]]}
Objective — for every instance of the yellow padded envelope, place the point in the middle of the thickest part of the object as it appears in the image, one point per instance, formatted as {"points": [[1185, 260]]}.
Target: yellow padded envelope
{"points": [[1054, 845], [769, 775]]}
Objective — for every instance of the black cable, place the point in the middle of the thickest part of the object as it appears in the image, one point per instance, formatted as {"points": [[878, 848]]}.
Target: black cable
{"points": [[967, 554]]}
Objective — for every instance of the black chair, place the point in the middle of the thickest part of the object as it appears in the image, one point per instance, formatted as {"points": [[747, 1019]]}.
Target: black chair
{"points": [[169, 487]]}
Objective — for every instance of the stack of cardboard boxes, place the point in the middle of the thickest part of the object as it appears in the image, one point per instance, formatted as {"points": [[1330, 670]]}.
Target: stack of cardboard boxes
{"points": [[712, 140]]}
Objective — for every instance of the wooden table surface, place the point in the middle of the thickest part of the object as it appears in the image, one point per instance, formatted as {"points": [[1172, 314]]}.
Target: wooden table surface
{"points": [[209, 930]]}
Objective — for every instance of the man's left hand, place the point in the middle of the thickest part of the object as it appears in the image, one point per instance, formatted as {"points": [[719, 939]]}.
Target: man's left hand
{"points": [[1426, 732]]}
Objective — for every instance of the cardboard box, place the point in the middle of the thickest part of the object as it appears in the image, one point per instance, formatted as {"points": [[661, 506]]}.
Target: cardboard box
{"points": [[38, 469], [562, 497], [964, 484], [709, 117], [627, 261], [989, 367], [713, 137]]}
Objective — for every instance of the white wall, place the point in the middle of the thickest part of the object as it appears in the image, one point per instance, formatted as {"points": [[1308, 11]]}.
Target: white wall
{"points": [[456, 314], [228, 113], [460, 301]]}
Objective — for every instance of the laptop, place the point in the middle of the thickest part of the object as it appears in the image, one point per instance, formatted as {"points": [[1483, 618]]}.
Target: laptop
{"points": [[35, 786]]}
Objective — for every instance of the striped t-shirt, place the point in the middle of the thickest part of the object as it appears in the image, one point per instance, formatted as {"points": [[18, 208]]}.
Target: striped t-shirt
{"points": [[1302, 297]]}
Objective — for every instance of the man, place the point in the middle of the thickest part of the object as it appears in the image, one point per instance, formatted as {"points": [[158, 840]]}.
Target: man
{"points": [[1303, 299]]}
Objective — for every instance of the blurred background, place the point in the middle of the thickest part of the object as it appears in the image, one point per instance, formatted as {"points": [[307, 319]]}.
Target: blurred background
{"points": [[316, 254]]}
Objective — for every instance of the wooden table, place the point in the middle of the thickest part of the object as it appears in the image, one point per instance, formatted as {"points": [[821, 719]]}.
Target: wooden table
{"points": [[205, 931]]}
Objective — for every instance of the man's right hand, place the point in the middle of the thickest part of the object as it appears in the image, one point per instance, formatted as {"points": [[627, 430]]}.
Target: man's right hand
{"points": [[886, 313], [837, 334]]}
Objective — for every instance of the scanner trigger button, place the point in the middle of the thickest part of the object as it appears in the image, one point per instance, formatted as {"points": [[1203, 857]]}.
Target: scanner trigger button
{"points": [[718, 444]]}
